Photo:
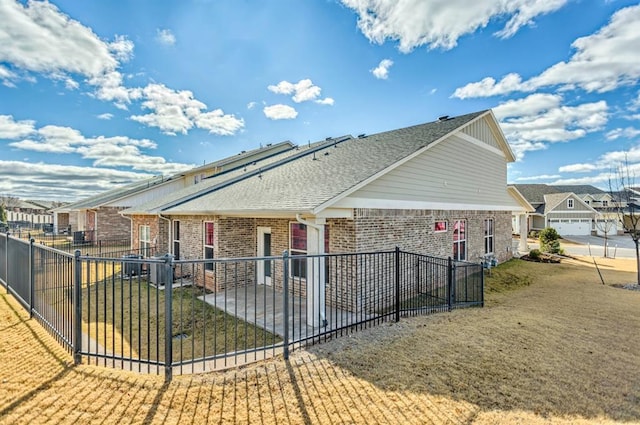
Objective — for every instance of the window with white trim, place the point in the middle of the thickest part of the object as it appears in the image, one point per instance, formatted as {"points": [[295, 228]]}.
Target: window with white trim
{"points": [[440, 226], [298, 246], [488, 236], [176, 239], [570, 203], [460, 240], [208, 244], [605, 203], [144, 237]]}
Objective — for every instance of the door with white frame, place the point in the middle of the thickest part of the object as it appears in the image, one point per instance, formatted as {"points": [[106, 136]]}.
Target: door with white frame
{"points": [[264, 268]]}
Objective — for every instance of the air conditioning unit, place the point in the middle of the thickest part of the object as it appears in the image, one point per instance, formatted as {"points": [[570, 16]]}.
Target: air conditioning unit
{"points": [[157, 275]]}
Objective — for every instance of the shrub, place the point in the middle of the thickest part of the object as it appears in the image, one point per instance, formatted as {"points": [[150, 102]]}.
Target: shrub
{"points": [[549, 240], [534, 254]]}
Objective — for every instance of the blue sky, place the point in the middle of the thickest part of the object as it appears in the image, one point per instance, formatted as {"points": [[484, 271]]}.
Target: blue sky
{"points": [[96, 93]]}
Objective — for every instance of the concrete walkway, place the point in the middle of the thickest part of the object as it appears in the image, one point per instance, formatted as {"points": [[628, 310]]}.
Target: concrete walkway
{"points": [[263, 306]]}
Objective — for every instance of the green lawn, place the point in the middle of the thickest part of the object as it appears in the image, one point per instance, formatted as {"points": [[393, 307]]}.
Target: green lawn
{"points": [[127, 317]]}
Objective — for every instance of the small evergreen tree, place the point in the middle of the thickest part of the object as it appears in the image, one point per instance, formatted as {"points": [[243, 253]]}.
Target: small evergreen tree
{"points": [[3, 214], [549, 240]]}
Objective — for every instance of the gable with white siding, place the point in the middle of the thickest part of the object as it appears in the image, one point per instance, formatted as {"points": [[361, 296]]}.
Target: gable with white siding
{"points": [[460, 172]]}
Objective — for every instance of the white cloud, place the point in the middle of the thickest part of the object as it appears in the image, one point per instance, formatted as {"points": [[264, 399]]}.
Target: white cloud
{"points": [[533, 122], [117, 151], [326, 101], [165, 37], [603, 62], [540, 177], [39, 38], [578, 168], [280, 112], [12, 129], [607, 164], [302, 91], [381, 72], [252, 105], [178, 111], [106, 116], [60, 182], [440, 23], [627, 133]]}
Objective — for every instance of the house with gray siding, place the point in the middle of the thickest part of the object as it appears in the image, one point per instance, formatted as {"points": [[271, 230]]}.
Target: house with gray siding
{"points": [[438, 189], [571, 210]]}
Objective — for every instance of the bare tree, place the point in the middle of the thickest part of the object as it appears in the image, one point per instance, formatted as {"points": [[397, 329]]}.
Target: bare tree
{"points": [[606, 225], [627, 206]]}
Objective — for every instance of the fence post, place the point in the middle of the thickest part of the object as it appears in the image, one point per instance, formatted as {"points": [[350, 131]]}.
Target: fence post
{"points": [[285, 296], [168, 317], [77, 308], [450, 269], [397, 283], [6, 277], [482, 286], [31, 277]]}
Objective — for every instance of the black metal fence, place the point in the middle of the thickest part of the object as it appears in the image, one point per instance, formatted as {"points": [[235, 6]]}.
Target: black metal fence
{"points": [[159, 315]]}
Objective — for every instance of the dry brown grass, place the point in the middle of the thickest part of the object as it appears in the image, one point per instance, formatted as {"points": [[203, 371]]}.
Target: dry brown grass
{"points": [[560, 348]]}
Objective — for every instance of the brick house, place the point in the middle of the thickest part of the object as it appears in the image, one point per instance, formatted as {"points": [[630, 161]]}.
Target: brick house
{"points": [[99, 216], [438, 189]]}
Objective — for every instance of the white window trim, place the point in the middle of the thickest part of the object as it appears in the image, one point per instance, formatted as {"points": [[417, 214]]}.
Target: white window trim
{"points": [[204, 243], [446, 226], [144, 244], [458, 242], [488, 235], [570, 203], [173, 236]]}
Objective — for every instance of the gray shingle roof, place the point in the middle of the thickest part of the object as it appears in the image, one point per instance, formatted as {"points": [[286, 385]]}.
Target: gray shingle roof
{"points": [[580, 189], [534, 193], [308, 181], [113, 194]]}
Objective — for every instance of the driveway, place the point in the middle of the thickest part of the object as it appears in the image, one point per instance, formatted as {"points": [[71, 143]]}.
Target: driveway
{"points": [[618, 246]]}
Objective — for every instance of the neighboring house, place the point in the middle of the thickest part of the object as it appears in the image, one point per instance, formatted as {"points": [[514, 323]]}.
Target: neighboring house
{"points": [[438, 188], [98, 217], [29, 214], [570, 209]]}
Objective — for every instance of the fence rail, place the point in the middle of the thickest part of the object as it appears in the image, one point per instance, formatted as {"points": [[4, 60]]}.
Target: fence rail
{"points": [[154, 314]]}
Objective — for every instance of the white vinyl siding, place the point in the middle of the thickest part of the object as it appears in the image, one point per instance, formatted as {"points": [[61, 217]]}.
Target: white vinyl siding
{"points": [[453, 171], [480, 130], [151, 194]]}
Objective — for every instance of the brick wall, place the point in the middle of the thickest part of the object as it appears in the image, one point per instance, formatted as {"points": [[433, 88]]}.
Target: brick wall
{"points": [[112, 225], [413, 231]]}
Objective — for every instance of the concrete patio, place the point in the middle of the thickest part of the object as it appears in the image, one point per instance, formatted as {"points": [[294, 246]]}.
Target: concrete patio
{"points": [[263, 306]]}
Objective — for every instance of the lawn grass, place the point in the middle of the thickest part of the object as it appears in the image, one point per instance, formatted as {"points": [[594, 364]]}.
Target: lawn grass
{"points": [[127, 317], [562, 349]]}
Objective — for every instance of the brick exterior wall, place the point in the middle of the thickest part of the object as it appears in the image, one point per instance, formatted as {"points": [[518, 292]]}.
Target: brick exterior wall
{"points": [[63, 221], [354, 283], [112, 225], [413, 231]]}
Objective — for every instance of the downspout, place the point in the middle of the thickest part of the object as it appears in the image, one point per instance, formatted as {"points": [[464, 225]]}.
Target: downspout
{"points": [[95, 223], [169, 238], [320, 248]]}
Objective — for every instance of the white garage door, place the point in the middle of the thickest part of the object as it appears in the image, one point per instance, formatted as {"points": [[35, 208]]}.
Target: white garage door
{"points": [[571, 226]]}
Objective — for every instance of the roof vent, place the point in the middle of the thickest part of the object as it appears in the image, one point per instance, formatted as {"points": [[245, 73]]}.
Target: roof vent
{"points": [[362, 136], [268, 144], [328, 138], [443, 118]]}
